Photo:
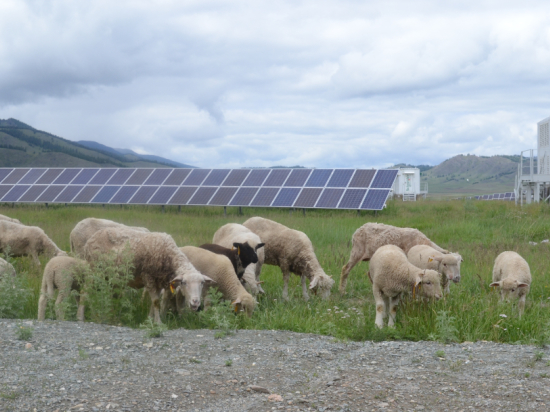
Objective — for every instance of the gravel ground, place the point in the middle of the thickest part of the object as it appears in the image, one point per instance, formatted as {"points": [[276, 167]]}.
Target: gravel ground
{"points": [[69, 366]]}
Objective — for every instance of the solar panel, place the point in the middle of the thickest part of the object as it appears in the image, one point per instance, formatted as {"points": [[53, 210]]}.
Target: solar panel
{"points": [[15, 193], [15, 176], [163, 195], [143, 195], [86, 194], [124, 194], [236, 177], [121, 176], [384, 179], [508, 195], [4, 173], [68, 194], [196, 177], [298, 177], [48, 177], [182, 195], [265, 196], [256, 177], [177, 177], [50, 194], [105, 194], [139, 176], [84, 176], [66, 176], [223, 196], [32, 176], [319, 178], [362, 178], [352, 199], [340, 178], [32, 194], [157, 177], [4, 189], [308, 197], [286, 197], [375, 199], [202, 196], [244, 196], [102, 176], [216, 177], [329, 198], [277, 177]]}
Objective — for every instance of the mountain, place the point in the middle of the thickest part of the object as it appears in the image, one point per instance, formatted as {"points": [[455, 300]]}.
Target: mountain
{"points": [[22, 145]]}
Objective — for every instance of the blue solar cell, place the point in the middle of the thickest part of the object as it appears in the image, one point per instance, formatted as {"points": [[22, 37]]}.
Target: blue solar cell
{"points": [[352, 199], [297, 177], [202, 196], [86, 194], [362, 178], [286, 197], [158, 176], [66, 176], [84, 176], [308, 197], [50, 194], [163, 195], [48, 177], [244, 196], [384, 179], [102, 176], [32, 176], [216, 177], [143, 195], [124, 194], [4, 173], [508, 195], [319, 178], [121, 176], [277, 177], [265, 196], [15, 193], [182, 195], [105, 194], [31, 194], [15, 176], [329, 198], [68, 194], [340, 178], [196, 177], [176, 177], [256, 177], [223, 196], [139, 176], [375, 199], [4, 189], [236, 177]]}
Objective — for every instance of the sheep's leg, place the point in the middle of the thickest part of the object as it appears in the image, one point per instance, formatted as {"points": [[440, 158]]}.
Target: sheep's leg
{"points": [[61, 295], [286, 278], [380, 307], [521, 305], [354, 258], [35, 259], [394, 301], [81, 307], [155, 304], [42, 302], [305, 294]]}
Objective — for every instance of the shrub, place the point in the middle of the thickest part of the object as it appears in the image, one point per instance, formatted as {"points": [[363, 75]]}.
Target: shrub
{"points": [[152, 329]]}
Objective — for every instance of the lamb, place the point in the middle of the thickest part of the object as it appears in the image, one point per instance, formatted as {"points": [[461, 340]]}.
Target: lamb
{"points": [[241, 255], [60, 273], [22, 240], [6, 268], [426, 257], [157, 263], [369, 237], [292, 251], [391, 275], [512, 275], [220, 269], [87, 227], [9, 219], [233, 232]]}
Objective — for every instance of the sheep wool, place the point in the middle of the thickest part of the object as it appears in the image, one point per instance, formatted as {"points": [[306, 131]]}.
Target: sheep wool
{"points": [[448, 265], [9, 219], [512, 275]]}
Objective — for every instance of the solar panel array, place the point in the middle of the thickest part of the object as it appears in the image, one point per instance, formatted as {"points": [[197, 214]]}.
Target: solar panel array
{"points": [[498, 196], [299, 188]]}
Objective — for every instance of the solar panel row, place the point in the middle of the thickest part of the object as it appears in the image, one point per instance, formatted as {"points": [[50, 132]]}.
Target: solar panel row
{"points": [[497, 196]]}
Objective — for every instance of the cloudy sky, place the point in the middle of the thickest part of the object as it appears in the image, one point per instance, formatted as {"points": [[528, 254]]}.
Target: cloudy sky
{"points": [[253, 83]]}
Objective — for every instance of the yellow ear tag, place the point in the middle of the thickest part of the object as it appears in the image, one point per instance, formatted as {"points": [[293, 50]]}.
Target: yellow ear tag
{"points": [[171, 288], [236, 307], [430, 260], [238, 251]]}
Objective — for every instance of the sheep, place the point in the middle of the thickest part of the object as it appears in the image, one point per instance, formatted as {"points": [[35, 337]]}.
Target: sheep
{"points": [[512, 275], [10, 219], [87, 227], [292, 251], [60, 273], [250, 283], [6, 268], [157, 263], [241, 255], [233, 232], [426, 257], [219, 268], [391, 275], [22, 240], [369, 237]]}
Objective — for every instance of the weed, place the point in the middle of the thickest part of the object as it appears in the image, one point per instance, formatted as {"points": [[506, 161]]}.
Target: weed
{"points": [[527, 374], [544, 375], [24, 333], [10, 395], [228, 362], [539, 356], [219, 315], [152, 329], [125, 360], [14, 295], [194, 360], [455, 366], [445, 327], [82, 354], [440, 354]]}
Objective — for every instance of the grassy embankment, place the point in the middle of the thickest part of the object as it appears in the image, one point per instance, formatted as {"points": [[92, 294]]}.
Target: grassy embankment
{"points": [[478, 230]]}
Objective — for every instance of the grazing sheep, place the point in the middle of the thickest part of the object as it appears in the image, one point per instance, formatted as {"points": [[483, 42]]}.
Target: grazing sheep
{"points": [[241, 255], [6, 268], [60, 273], [426, 257], [157, 263], [10, 219], [250, 283], [292, 251], [233, 232], [512, 275], [369, 237], [87, 227], [23, 240], [219, 268], [391, 275]]}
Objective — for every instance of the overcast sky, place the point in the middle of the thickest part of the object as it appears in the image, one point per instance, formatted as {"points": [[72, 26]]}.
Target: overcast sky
{"points": [[251, 83]]}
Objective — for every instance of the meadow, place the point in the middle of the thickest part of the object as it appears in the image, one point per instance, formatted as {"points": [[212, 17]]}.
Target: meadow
{"points": [[476, 229]]}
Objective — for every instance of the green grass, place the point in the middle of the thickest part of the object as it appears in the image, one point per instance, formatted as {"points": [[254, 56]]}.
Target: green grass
{"points": [[478, 230]]}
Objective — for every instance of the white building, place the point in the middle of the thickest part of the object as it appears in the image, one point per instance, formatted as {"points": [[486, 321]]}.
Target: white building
{"points": [[408, 185]]}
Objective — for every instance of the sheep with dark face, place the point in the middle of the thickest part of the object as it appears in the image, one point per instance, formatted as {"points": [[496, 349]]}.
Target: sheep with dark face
{"points": [[241, 255]]}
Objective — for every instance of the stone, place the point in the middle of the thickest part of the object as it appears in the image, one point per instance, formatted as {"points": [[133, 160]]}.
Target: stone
{"points": [[275, 398], [261, 389]]}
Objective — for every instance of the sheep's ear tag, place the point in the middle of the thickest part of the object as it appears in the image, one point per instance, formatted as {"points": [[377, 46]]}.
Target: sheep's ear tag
{"points": [[430, 260], [171, 288], [238, 250]]}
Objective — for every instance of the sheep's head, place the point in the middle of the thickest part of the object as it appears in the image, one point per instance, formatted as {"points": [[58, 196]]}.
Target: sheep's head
{"points": [[245, 303], [190, 286], [511, 288], [321, 285], [246, 253], [448, 265], [428, 284]]}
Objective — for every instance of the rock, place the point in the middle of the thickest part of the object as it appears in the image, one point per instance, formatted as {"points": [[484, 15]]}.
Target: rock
{"points": [[259, 389], [275, 398], [182, 372], [28, 345]]}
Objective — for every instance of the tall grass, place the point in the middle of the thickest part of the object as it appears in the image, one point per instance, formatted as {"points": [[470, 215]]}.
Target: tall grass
{"points": [[478, 230]]}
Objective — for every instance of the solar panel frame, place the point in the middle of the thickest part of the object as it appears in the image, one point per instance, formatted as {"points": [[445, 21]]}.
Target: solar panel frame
{"points": [[68, 194], [286, 197], [143, 195], [33, 175], [177, 177], [121, 176], [182, 195], [330, 198], [223, 196], [124, 195], [105, 194], [362, 178], [139, 177], [236, 177], [196, 177], [4, 173], [15, 176], [15, 193], [264, 196], [33, 193], [4, 189], [384, 179], [84, 176], [202, 196], [375, 199], [162, 195], [308, 197], [49, 195], [277, 177], [66, 176], [216, 177], [297, 178], [87, 194], [340, 178], [319, 177], [352, 198], [102, 176], [244, 196], [256, 177], [157, 177]]}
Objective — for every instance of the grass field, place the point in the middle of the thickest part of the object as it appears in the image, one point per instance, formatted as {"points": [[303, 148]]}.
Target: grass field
{"points": [[478, 230]]}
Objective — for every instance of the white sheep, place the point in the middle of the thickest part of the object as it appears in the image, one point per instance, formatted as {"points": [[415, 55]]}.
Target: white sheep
{"points": [[219, 268], [391, 275], [157, 263], [235, 233], [23, 240], [10, 219], [369, 237], [61, 273], [448, 265], [87, 227], [512, 275], [6, 268], [292, 251]]}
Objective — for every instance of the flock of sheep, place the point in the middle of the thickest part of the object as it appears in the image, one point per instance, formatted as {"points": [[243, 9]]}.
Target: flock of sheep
{"points": [[402, 261]]}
